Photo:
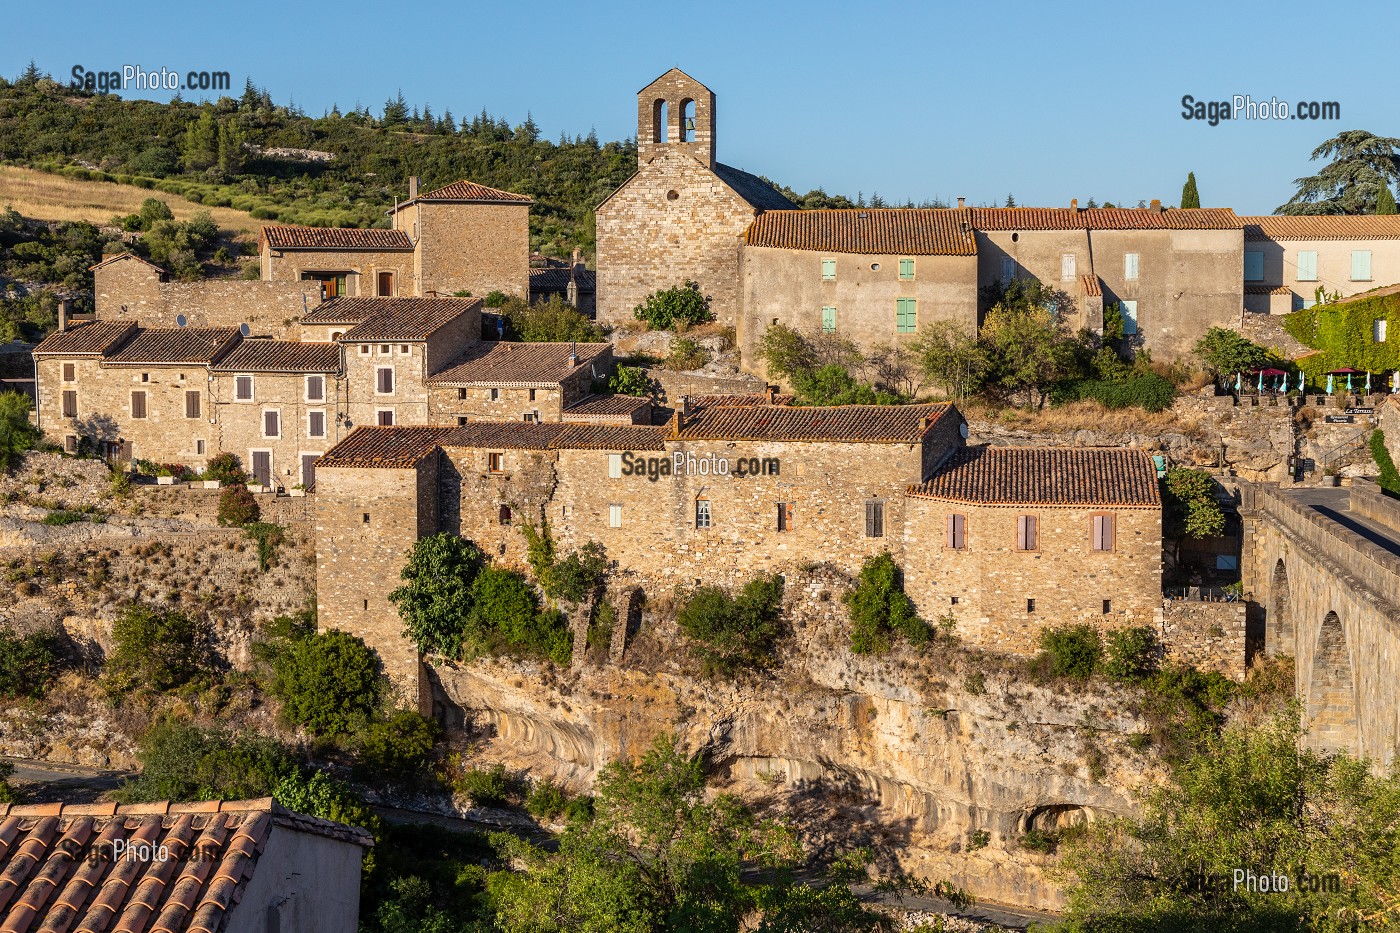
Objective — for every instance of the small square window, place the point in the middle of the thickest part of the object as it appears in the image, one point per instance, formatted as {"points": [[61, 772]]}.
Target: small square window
{"points": [[953, 601], [364, 349], [702, 513], [503, 515], [828, 270], [495, 462], [1107, 606], [384, 349], [461, 394], [364, 519], [906, 270], [495, 395], [461, 420], [384, 417], [1030, 605], [145, 377], [404, 349]]}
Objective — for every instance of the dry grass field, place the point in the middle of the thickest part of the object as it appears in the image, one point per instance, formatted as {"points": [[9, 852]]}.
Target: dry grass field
{"points": [[41, 196]]}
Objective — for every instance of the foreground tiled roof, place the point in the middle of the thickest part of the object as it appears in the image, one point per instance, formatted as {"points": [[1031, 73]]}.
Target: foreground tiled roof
{"points": [[172, 345], [510, 363], [1101, 218], [213, 852], [871, 424], [342, 310], [1323, 227], [282, 237], [740, 401], [916, 231], [759, 193], [384, 447], [1090, 286], [280, 356], [406, 318], [556, 279], [521, 435], [469, 191], [1066, 476], [608, 405], [89, 338]]}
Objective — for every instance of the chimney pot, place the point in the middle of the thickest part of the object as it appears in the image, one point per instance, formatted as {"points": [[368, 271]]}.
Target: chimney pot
{"points": [[685, 406], [962, 202], [1074, 204], [412, 187], [1156, 205]]}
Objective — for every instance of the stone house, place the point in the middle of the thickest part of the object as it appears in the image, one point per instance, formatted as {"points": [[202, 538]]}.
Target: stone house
{"points": [[682, 214], [572, 282], [237, 866], [1287, 259], [508, 381], [339, 261]]}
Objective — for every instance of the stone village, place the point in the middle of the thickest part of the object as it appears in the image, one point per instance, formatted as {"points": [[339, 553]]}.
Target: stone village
{"points": [[356, 369]]}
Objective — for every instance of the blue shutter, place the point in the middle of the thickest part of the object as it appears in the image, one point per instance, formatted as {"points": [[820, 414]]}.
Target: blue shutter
{"points": [[1253, 266], [828, 319], [1130, 266], [1361, 265], [1130, 319], [1307, 265]]}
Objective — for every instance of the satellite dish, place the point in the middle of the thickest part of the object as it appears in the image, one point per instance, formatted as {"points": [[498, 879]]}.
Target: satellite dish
{"points": [[244, 329], [962, 429], [180, 321]]}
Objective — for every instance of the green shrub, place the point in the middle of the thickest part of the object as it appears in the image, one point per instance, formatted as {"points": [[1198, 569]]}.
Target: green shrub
{"points": [[17, 435], [329, 683], [880, 609], [158, 650], [237, 507], [186, 762], [435, 601], [1040, 841], [1190, 508], [629, 380], [1183, 707], [226, 468], [268, 535], [579, 575], [1073, 651], [1146, 390], [63, 517], [1389, 478], [396, 748], [318, 794], [1131, 653], [495, 299], [487, 787], [28, 663], [686, 354], [668, 308], [551, 321], [546, 800], [735, 633], [506, 618]]}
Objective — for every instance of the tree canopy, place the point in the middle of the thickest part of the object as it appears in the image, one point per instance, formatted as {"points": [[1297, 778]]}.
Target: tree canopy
{"points": [[1360, 165], [1190, 197]]}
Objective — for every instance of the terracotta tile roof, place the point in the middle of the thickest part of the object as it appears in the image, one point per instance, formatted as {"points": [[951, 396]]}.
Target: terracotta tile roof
{"points": [[611, 409], [1102, 218], [758, 193], [280, 356], [555, 279], [740, 401], [390, 448], [1323, 227], [869, 424], [470, 191], [283, 237], [1090, 286], [509, 363], [1063, 476], [915, 231], [1267, 290], [157, 345], [341, 310], [522, 435], [120, 257], [406, 318], [90, 338], [53, 879]]}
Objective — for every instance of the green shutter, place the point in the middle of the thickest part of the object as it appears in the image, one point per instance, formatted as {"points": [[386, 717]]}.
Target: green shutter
{"points": [[828, 319], [828, 270], [1307, 265], [1361, 265], [1130, 266], [906, 315], [906, 269]]}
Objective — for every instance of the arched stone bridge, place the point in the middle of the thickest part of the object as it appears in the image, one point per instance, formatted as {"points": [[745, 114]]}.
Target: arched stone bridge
{"points": [[1324, 565]]}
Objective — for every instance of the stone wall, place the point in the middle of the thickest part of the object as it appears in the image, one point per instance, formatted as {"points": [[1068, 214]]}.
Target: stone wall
{"points": [[407, 403], [1208, 636], [479, 248], [361, 269], [241, 424]]}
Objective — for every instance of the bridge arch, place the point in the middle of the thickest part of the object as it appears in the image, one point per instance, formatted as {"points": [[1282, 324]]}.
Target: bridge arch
{"points": [[1279, 633], [1331, 710]]}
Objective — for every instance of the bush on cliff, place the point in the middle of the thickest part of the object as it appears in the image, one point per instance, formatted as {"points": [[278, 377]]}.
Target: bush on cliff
{"points": [[436, 598], [735, 632], [237, 507], [329, 683], [881, 611], [159, 650], [1071, 651]]}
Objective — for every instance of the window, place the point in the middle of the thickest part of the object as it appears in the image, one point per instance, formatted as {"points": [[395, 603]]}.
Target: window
{"points": [[138, 404], [70, 372], [1130, 318], [384, 380], [1027, 532], [906, 270], [1030, 605], [243, 388], [828, 319], [316, 423], [385, 349], [1101, 532], [614, 466], [1307, 265], [494, 394], [1130, 266], [337, 334], [70, 404], [874, 519], [828, 270], [461, 420], [145, 377], [272, 423], [957, 532], [192, 404], [261, 466], [906, 315], [614, 516], [462, 394], [702, 513], [503, 516], [384, 417], [785, 516], [385, 285], [332, 283], [495, 462], [1107, 606], [315, 388], [1008, 270], [364, 349], [1067, 266], [1378, 330], [405, 349], [199, 447], [364, 519], [1361, 265], [1253, 266]]}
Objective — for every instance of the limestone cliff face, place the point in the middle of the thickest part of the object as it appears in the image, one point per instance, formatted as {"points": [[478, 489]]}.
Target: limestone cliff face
{"points": [[906, 751]]}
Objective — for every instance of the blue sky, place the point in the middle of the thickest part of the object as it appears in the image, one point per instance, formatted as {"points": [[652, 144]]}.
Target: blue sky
{"points": [[1045, 101]]}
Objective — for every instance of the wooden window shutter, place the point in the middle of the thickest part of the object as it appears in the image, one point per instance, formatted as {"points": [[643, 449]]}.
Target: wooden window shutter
{"points": [[138, 404], [956, 532]]}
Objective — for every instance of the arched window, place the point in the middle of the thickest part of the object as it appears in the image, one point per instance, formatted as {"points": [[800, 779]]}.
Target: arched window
{"points": [[659, 130], [687, 121]]}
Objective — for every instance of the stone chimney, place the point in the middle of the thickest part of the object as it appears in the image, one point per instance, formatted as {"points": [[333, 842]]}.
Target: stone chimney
{"points": [[1074, 204], [412, 187], [573, 354], [578, 258], [1155, 207], [962, 202], [63, 306], [772, 392], [683, 412]]}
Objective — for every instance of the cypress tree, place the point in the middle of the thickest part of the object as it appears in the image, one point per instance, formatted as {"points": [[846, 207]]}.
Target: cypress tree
{"points": [[1190, 197], [1385, 201]]}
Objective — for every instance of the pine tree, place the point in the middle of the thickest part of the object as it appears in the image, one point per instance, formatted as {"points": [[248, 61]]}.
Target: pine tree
{"points": [[31, 74], [1010, 201], [1190, 197], [1385, 201]]}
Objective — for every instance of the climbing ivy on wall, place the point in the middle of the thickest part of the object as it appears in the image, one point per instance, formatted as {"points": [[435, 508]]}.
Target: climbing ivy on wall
{"points": [[1343, 335]]}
